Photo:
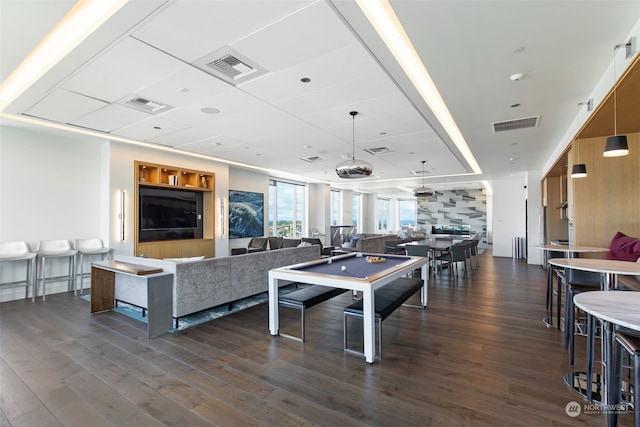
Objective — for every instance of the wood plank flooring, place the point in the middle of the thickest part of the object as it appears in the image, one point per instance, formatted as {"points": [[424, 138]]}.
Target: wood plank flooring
{"points": [[479, 355]]}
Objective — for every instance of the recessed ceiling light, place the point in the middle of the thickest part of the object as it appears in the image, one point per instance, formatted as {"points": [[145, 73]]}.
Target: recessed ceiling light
{"points": [[516, 77], [306, 146], [215, 144], [515, 105], [518, 49], [210, 110], [183, 90], [305, 80], [157, 127]]}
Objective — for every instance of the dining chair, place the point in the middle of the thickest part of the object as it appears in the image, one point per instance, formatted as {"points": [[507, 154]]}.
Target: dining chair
{"points": [[11, 252], [55, 249], [89, 247], [418, 250]]}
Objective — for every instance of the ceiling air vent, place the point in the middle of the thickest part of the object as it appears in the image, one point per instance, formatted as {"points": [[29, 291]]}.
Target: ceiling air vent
{"points": [[524, 123], [312, 159], [230, 66], [377, 150], [147, 105], [419, 172]]}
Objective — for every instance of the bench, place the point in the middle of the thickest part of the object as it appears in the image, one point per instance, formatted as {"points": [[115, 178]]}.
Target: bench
{"points": [[387, 299], [304, 298]]}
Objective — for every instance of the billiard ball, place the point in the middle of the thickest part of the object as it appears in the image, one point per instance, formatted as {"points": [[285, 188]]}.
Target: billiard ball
{"points": [[343, 268]]}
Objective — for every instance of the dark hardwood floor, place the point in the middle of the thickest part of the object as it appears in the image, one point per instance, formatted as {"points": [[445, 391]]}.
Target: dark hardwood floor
{"points": [[479, 355]]}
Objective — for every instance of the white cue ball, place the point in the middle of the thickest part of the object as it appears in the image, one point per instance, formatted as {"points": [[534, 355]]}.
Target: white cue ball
{"points": [[343, 268]]}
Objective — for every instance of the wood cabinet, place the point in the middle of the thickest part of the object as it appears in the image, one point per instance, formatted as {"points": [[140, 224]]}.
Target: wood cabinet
{"points": [[171, 176], [165, 176]]}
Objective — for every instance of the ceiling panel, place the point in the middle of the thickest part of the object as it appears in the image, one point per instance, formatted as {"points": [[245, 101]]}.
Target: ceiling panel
{"points": [[63, 106], [110, 118], [122, 70]]}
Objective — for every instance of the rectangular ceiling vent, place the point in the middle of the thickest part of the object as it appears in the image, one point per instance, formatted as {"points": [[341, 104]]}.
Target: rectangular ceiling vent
{"points": [[147, 105], [377, 150], [312, 159], [419, 172], [230, 66], [524, 123]]}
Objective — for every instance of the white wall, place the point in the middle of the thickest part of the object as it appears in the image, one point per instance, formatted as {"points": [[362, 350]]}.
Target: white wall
{"points": [[51, 187], [509, 197], [65, 186], [534, 213]]}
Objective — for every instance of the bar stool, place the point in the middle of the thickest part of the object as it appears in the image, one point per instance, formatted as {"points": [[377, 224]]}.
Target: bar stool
{"points": [[19, 251], [629, 342], [89, 247], [576, 282], [55, 249]]}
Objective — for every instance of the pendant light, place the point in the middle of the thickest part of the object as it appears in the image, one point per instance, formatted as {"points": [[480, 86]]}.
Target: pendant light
{"points": [[616, 145], [423, 191], [579, 170], [354, 168]]}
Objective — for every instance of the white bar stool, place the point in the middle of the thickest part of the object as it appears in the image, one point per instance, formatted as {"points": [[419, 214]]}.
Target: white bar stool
{"points": [[56, 249], [19, 251], [88, 247]]}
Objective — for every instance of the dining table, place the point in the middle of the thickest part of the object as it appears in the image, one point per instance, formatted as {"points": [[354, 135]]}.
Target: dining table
{"points": [[614, 309], [610, 270], [571, 251], [435, 246]]}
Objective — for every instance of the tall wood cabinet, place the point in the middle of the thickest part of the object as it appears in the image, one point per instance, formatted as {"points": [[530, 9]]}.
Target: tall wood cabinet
{"points": [[172, 177]]}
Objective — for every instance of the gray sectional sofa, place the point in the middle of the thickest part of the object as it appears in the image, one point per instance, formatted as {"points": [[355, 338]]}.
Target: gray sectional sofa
{"points": [[367, 243], [205, 283]]}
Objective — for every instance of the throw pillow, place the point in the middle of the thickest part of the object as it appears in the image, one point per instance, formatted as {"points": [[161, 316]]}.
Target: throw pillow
{"points": [[624, 248]]}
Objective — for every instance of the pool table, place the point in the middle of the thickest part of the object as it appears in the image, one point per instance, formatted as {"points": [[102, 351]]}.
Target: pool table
{"points": [[358, 274]]}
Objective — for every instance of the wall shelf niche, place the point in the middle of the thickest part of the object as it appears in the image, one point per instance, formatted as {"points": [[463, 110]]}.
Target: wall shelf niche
{"points": [[164, 176]]}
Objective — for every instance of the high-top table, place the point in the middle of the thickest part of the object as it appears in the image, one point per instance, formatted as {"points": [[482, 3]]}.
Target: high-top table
{"points": [[571, 251], [621, 308], [610, 269]]}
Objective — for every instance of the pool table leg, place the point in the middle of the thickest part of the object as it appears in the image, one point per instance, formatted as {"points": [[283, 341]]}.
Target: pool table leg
{"points": [[369, 323], [273, 306], [424, 295]]}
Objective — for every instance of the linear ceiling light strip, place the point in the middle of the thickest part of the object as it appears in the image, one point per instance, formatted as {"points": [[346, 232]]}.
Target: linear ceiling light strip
{"points": [[81, 20], [382, 17]]}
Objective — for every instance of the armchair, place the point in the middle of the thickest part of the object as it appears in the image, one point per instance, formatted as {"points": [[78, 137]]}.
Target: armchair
{"points": [[257, 244], [324, 250]]}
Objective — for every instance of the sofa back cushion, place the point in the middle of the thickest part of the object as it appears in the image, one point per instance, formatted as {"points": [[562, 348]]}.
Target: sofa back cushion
{"points": [[624, 248]]}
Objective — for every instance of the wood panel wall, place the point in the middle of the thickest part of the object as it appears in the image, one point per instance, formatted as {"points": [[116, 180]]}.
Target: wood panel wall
{"points": [[608, 199]]}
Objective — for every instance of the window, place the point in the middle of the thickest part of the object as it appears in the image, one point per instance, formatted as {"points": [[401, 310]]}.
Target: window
{"points": [[335, 207], [286, 209], [407, 213], [383, 214], [356, 200]]}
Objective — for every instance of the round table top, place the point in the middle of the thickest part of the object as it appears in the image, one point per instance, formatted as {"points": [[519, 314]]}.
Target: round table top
{"points": [[598, 265], [571, 248], [619, 307]]}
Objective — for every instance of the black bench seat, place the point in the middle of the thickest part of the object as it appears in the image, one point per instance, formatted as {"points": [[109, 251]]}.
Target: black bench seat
{"points": [[387, 299], [304, 298]]}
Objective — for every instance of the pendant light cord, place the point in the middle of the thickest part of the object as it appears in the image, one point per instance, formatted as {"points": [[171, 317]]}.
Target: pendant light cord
{"points": [[353, 135]]}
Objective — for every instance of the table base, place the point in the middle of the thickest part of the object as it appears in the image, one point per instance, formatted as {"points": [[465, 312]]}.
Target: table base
{"points": [[577, 381]]}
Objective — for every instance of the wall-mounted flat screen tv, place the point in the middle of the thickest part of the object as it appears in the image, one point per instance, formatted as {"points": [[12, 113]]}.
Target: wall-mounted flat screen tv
{"points": [[168, 214], [246, 214]]}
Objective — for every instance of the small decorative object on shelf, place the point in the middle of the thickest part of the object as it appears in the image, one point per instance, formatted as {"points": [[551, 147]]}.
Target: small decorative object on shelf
{"points": [[143, 174], [203, 182]]}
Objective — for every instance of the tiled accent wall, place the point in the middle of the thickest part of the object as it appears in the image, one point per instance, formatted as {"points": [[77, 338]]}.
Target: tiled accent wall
{"points": [[456, 207]]}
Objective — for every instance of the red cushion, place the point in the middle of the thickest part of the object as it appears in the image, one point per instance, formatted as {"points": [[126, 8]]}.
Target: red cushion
{"points": [[624, 248]]}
